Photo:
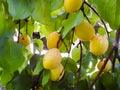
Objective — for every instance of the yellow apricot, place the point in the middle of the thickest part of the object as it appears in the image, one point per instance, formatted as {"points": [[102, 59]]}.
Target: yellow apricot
{"points": [[57, 73], [24, 39], [108, 66], [72, 5], [53, 40], [52, 58], [84, 31], [98, 45]]}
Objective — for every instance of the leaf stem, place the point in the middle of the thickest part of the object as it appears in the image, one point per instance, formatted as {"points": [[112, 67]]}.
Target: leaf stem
{"points": [[18, 30]]}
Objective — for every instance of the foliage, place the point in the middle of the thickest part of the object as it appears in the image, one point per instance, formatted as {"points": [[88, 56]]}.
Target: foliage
{"points": [[21, 67]]}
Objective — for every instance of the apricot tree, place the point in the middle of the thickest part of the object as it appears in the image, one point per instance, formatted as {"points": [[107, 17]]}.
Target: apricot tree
{"points": [[60, 44]]}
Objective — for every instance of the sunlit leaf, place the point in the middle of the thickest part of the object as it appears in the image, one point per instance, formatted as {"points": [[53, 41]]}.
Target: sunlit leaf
{"points": [[38, 44], [73, 20], [46, 75], [39, 66]]}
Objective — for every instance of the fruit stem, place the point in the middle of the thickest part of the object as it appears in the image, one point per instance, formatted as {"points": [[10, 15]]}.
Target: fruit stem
{"points": [[114, 45], [18, 30], [79, 69], [82, 9], [98, 16]]}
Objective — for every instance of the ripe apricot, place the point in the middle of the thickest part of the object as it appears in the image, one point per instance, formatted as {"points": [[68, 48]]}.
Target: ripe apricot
{"points": [[53, 40], [84, 31], [72, 5], [98, 45], [52, 58], [57, 73], [108, 66]]}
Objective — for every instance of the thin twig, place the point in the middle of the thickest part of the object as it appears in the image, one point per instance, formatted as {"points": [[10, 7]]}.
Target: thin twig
{"points": [[116, 54], [113, 62], [72, 36], [36, 83], [82, 9], [98, 16], [114, 45], [65, 46], [19, 25], [79, 69]]}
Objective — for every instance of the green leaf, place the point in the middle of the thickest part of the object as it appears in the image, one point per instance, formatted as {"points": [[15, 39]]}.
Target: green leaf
{"points": [[13, 55], [20, 9], [5, 77], [102, 31], [39, 66], [99, 85], [42, 11], [67, 43], [56, 4], [2, 23], [118, 81], [22, 81], [58, 20], [86, 45], [11, 58], [109, 11], [46, 75], [73, 20], [86, 60], [108, 80], [83, 85], [29, 26], [38, 44], [94, 74], [76, 53], [68, 62]]}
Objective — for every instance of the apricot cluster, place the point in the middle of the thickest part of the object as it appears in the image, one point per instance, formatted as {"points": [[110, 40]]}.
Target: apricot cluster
{"points": [[52, 59], [98, 43]]}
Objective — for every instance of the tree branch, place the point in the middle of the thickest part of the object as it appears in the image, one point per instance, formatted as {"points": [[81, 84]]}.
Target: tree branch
{"points": [[19, 25], [114, 45], [98, 16], [82, 9], [79, 69]]}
